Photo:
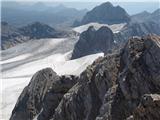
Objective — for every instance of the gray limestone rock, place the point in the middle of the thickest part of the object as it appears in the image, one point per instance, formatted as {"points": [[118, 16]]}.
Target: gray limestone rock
{"points": [[42, 95], [93, 41], [120, 86]]}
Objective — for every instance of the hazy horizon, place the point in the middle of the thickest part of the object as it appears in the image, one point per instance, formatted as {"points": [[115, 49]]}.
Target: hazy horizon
{"points": [[130, 6]]}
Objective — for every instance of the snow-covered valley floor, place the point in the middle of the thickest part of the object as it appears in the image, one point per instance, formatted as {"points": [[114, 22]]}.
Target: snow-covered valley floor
{"points": [[114, 27], [19, 63]]}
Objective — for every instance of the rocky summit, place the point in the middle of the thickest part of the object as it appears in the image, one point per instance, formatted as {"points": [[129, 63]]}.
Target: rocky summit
{"points": [[93, 41], [106, 13], [120, 86]]}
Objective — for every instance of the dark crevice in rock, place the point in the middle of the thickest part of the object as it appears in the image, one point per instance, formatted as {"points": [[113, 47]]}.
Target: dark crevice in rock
{"points": [[96, 101]]}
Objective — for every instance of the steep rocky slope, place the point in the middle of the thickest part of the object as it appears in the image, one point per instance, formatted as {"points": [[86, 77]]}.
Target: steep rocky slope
{"points": [[148, 108], [43, 94], [141, 24], [137, 29], [93, 41], [119, 86]]}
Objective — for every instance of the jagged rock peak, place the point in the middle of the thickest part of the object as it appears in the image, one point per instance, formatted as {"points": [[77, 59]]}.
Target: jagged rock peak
{"points": [[107, 4], [44, 87], [93, 41], [106, 13]]}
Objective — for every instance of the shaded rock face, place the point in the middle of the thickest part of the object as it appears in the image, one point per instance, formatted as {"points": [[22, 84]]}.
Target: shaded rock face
{"points": [[148, 108], [92, 41], [84, 100], [30, 101], [42, 95], [139, 74], [106, 13], [120, 86], [137, 29], [54, 96], [140, 67]]}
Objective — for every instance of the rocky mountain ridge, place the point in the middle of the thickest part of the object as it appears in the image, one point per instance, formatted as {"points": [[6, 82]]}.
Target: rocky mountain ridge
{"points": [[104, 40], [147, 17], [119, 86], [12, 36], [137, 25]]}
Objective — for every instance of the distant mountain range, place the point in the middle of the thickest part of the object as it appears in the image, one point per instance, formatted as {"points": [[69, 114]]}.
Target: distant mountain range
{"points": [[12, 36], [22, 14], [146, 16], [105, 13], [137, 25]]}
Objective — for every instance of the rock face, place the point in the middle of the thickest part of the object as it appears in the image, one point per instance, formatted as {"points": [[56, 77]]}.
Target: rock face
{"points": [[84, 100], [42, 95], [139, 74], [135, 71], [148, 108], [120, 86], [55, 94], [137, 29], [106, 13], [92, 41]]}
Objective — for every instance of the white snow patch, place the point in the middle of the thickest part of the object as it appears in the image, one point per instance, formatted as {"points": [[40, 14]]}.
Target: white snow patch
{"points": [[22, 61], [114, 27]]}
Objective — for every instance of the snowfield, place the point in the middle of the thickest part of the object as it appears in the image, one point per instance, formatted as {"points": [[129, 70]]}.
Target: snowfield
{"points": [[22, 61], [114, 27]]}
